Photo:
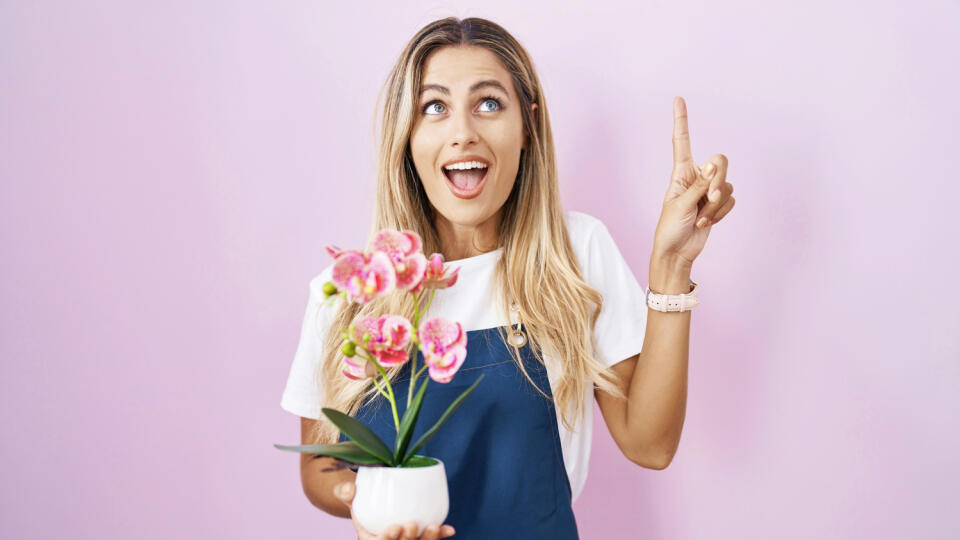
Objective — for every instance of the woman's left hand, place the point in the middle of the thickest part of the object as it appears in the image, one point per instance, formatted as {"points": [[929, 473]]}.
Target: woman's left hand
{"points": [[688, 213]]}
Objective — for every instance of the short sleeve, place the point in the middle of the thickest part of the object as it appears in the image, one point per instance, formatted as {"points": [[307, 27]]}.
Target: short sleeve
{"points": [[622, 323], [303, 394]]}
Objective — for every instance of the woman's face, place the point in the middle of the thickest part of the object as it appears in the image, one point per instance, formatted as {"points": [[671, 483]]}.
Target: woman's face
{"points": [[468, 109]]}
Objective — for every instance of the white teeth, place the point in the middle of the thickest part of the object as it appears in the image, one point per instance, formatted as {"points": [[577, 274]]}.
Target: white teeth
{"points": [[463, 165]]}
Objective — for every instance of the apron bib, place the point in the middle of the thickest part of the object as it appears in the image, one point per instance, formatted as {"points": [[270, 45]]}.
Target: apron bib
{"points": [[500, 448]]}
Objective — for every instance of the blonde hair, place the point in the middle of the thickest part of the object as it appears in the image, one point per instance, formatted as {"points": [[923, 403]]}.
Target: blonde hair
{"points": [[537, 268]]}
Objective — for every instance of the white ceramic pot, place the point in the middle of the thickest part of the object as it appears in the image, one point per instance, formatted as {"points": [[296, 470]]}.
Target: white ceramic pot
{"points": [[396, 495]]}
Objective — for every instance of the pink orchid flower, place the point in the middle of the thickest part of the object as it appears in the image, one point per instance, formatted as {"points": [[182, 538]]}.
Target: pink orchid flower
{"points": [[444, 346], [436, 276], [356, 368], [403, 249], [389, 337], [364, 276], [333, 250]]}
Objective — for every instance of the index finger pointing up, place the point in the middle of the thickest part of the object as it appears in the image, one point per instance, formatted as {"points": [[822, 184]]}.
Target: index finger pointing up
{"points": [[681, 136]]}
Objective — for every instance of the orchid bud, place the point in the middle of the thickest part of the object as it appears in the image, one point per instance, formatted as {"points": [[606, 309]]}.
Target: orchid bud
{"points": [[348, 349], [329, 289]]}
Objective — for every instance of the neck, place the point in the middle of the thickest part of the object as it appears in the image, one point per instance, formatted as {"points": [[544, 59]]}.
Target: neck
{"points": [[460, 241]]}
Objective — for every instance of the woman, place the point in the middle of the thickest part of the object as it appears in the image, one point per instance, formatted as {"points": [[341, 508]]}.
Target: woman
{"points": [[467, 160]]}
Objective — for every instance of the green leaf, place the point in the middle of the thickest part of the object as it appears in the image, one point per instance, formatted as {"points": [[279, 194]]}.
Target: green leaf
{"points": [[360, 434], [408, 423], [346, 450], [453, 406], [420, 461]]}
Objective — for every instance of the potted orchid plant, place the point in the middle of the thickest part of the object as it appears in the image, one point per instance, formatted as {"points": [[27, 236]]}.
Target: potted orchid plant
{"points": [[394, 483]]}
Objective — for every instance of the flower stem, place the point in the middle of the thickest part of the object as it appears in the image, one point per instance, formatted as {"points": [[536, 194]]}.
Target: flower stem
{"points": [[416, 305], [413, 378], [391, 398], [430, 301], [413, 366], [384, 394], [389, 395], [413, 357]]}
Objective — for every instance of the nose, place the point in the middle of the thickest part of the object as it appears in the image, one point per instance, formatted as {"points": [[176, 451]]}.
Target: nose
{"points": [[464, 130]]}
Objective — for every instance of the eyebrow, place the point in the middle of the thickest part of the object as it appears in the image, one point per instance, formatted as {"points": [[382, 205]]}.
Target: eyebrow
{"points": [[476, 86]]}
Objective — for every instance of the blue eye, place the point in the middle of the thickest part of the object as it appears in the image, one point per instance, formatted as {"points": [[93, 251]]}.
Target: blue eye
{"points": [[427, 106], [486, 99], [493, 99]]}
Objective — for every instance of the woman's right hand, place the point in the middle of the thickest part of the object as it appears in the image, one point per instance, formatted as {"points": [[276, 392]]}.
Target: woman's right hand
{"points": [[345, 492]]}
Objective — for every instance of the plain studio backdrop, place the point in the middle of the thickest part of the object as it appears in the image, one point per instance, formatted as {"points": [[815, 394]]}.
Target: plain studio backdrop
{"points": [[171, 171]]}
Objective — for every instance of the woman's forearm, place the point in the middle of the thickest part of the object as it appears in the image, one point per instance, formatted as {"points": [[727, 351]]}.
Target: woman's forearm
{"points": [[318, 485], [657, 396]]}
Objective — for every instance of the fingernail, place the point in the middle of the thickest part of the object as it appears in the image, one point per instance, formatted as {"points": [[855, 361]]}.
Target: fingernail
{"points": [[709, 170], [701, 223]]}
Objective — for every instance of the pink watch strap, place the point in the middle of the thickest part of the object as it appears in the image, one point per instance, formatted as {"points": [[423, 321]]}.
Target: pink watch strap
{"points": [[673, 302]]}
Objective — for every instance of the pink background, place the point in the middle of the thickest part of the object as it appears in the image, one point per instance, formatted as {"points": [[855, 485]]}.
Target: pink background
{"points": [[170, 173]]}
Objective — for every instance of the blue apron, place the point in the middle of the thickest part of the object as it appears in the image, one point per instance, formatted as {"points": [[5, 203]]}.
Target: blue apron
{"points": [[500, 448]]}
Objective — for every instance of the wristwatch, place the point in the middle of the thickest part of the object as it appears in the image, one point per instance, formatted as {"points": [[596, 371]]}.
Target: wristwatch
{"points": [[673, 302]]}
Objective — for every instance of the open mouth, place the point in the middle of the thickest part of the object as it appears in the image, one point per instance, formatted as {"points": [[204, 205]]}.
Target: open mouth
{"points": [[468, 183]]}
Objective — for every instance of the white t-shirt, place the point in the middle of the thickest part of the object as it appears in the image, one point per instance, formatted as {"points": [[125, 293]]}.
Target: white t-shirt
{"points": [[619, 331]]}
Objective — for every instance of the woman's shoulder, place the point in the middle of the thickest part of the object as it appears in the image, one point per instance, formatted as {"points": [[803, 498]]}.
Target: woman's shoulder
{"points": [[582, 228], [597, 252], [581, 223]]}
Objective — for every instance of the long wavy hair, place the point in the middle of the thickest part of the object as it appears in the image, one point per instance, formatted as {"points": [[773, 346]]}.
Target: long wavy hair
{"points": [[537, 268]]}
